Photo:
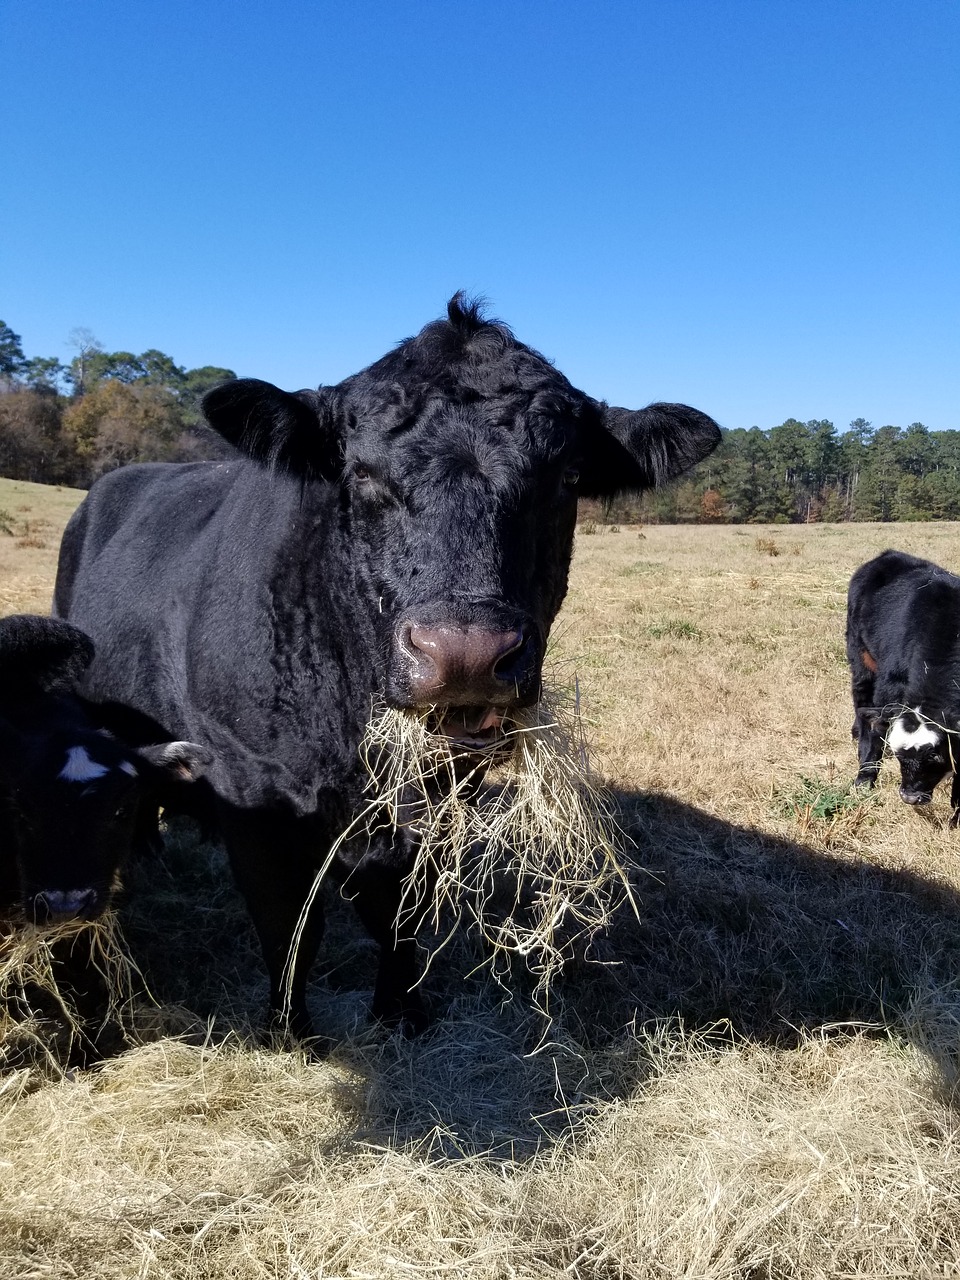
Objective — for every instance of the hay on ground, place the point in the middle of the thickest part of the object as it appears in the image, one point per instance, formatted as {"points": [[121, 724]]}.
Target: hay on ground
{"points": [[39, 1008]]}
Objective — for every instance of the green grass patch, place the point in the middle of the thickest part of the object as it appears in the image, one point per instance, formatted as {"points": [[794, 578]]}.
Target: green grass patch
{"points": [[818, 798], [640, 567], [674, 629]]}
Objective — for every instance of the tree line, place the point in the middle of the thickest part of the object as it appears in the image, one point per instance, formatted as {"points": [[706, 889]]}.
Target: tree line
{"points": [[69, 423]]}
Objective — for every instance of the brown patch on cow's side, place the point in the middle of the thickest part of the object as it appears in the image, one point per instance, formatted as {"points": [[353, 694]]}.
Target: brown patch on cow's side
{"points": [[869, 661]]}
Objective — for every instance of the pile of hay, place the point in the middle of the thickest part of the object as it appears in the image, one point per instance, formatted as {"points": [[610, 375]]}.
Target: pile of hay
{"points": [[61, 986]]}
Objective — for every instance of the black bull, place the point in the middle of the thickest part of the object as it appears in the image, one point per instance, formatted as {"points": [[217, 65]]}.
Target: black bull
{"points": [[406, 533]]}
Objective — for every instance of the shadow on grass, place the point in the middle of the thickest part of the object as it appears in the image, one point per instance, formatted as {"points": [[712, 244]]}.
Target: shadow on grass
{"points": [[743, 938]]}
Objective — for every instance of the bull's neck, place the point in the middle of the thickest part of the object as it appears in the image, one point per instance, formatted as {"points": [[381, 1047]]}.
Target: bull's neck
{"points": [[324, 607]]}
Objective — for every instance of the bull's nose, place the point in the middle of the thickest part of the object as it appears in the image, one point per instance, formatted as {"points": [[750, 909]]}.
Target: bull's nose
{"points": [[465, 665], [54, 905]]}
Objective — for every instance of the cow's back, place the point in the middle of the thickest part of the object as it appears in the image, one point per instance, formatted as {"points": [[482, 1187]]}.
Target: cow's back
{"points": [[905, 611]]}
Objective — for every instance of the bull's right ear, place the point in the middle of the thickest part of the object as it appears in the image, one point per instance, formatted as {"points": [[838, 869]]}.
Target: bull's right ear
{"points": [[289, 431], [41, 654]]}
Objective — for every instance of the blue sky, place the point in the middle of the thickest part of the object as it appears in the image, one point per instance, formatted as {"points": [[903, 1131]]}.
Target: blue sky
{"points": [[752, 207]]}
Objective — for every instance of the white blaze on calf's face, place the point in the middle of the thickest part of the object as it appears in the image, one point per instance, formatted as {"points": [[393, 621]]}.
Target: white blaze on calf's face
{"points": [[80, 767], [900, 738]]}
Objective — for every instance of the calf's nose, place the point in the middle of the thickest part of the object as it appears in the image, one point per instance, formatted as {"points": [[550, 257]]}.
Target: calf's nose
{"points": [[464, 665], [57, 904], [909, 796]]}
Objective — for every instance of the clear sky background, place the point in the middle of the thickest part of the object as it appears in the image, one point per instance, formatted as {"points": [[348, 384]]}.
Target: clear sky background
{"points": [[750, 206]]}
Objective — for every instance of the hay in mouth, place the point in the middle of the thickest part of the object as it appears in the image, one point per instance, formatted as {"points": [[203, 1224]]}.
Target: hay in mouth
{"points": [[468, 728], [514, 838]]}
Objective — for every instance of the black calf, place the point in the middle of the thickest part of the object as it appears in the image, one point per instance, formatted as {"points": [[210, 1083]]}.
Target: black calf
{"points": [[69, 790], [903, 644]]}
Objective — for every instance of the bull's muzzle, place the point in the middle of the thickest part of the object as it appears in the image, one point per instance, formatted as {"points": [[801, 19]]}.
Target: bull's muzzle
{"points": [[468, 665]]}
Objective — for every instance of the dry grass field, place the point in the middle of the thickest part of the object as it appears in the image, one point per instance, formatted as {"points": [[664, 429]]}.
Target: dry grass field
{"points": [[757, 1080]]}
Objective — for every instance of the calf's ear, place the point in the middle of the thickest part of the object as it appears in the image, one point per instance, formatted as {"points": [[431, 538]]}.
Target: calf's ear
{"points": [[41, 654], [289, 431], [868, 720], [176, 761], [631, 449]]}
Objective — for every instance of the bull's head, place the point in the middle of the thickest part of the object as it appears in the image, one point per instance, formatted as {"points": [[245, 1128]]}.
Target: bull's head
{"points": [[459, 459]]}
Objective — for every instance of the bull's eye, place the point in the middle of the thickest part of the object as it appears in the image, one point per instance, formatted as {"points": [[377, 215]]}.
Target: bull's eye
{"points": [[360, 472], [571, 477]]}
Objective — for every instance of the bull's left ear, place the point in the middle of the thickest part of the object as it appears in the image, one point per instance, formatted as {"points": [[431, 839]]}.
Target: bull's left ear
{"points": [[291, 431], [631, 449], [176, 761]]}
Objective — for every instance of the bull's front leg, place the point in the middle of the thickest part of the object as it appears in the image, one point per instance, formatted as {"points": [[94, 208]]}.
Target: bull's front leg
{"points": [[374, 883], [870, 733], [275, 869]]}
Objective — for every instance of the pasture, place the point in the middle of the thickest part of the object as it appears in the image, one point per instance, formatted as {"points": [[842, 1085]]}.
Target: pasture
{"points": [[757, 1080]]}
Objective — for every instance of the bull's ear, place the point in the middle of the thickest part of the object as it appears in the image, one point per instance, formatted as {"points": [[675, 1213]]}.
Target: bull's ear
{"points": [[290, 431], [41, 654], [176, 761], [631, 449]]}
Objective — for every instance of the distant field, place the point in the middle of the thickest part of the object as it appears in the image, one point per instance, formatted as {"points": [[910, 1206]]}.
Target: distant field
{"points": [[32, 520], [758, 1083]]}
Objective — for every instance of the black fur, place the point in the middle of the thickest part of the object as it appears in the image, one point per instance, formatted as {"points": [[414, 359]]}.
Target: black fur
{"points": [[259, 609], [903, 645]]}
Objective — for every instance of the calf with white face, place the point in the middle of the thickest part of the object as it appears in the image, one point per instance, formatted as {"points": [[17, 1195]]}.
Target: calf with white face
{"points": [[903, 644], [69, 790]]}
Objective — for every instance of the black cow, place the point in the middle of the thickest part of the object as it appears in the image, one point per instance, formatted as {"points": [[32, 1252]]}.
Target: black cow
{"points": [[69, 789], [407, 534], [903, 643]]}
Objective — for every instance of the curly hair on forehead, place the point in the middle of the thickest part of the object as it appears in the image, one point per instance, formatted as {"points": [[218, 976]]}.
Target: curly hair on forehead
{"points": [[466, 356], [466, 334]]}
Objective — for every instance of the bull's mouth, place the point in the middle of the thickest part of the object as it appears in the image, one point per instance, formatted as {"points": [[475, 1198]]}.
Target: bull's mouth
{"points": [[473, 730]]}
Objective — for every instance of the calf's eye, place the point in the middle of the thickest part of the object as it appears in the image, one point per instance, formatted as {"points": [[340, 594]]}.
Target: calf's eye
{"points": [[571, 477]]}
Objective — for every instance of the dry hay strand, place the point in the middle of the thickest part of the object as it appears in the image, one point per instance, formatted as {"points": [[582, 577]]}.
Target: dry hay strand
{"points": [[521, 846], [35, 967]]}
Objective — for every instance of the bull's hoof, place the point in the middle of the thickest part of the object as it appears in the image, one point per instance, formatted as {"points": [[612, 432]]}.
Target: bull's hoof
{"points": [[865, 781], [408, 1020], [286, 1036]]}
